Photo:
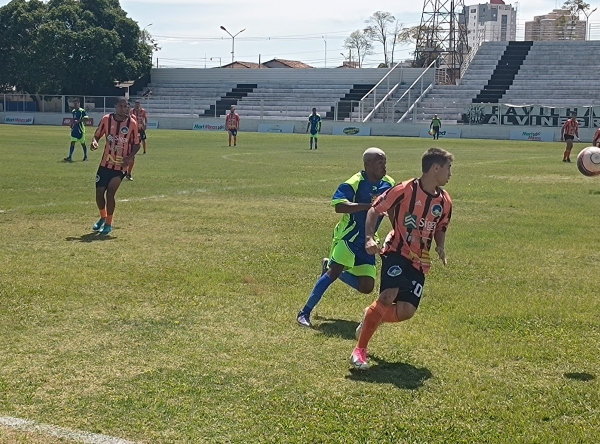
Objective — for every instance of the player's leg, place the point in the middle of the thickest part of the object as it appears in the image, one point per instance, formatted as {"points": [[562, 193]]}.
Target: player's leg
{"points": [[101, 184], [111, 191], [229, 132], [316, 137], [143, 140], [311, 141], [84, 148], [569, 148], [361, 275], [130, 169], [69, 158], [340, 258], [234, 137]]}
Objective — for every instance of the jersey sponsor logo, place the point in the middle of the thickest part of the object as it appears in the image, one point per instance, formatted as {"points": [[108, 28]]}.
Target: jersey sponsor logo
{"points": [[418, 204], [410, 220], [436, 210], [427, 224], [394, 271]]}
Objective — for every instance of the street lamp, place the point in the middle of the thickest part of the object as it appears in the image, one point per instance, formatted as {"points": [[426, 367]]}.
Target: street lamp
{"points": [[587, 17], [325, 51], [217, 58], [232, 41], [144, 36]]}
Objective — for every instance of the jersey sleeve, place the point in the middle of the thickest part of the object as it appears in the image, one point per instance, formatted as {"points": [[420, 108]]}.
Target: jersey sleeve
{"points": [[102, 129], [344, 193], [446, 215], [390, 198]]}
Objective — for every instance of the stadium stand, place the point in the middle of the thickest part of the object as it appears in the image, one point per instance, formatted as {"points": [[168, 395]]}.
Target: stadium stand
{"points": [[264, 93], [553, 74]]}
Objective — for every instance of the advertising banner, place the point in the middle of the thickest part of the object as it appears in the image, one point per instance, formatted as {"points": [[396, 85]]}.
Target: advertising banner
{"points": [[152, 124], [530, 115], [19, 120], [453, 133], [67, 121], [537, 136], [209, 125], [275, 128], [351, 130]]}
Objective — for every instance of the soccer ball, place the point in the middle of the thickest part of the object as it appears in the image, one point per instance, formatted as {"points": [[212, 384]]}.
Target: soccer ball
{"points": [[431, 132], [588, 161]]}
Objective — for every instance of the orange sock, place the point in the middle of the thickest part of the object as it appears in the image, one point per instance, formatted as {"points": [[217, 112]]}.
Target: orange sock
{"points": [[103, 213], [391, 314], [372, 320], [109, 219]]}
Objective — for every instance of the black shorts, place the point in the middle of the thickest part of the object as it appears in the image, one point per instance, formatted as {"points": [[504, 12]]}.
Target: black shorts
{"points": [[233, 132], [569, 137], [398, 272], [142, 134], [105, 175]]}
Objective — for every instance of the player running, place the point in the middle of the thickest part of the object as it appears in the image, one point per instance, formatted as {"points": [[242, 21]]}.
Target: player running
{"points": [[420, 211], [348, 259], [314, 124], [77, 130], [122, 143]]}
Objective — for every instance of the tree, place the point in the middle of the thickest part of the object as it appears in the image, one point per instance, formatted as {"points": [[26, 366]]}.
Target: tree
{"points": [[378, 29], [69, 46], [396, 34], [575, 6], [358, 43]]}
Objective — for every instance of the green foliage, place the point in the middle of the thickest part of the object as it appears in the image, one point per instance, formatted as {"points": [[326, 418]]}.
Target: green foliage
{"points": [[180, 328], [69, 46]]}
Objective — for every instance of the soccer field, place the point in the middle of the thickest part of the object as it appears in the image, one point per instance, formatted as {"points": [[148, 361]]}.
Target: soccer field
{"points": [[180, 327]]}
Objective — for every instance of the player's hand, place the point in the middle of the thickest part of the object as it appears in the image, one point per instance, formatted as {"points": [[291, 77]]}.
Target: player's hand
{"points": [[94, 146], [442, 253], [577, 139], [371, 247]]}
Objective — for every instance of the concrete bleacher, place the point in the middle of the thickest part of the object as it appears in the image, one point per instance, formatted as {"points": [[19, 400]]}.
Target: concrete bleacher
{"points": [[553, 74], [262, 93]]}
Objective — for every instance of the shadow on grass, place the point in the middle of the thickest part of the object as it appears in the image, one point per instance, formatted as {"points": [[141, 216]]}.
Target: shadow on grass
{"points": [[401, 374], [578, 376], [337, 327], [90, 237]]}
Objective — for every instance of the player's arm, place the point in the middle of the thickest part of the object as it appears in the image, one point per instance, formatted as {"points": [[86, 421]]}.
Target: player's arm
{"points": [[440, 245], [100, 131], [371, 246], [351, 207], [319, 126], [562, 131], [308, 125]]}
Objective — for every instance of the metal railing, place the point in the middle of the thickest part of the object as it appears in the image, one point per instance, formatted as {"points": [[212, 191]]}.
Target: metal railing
{"points": [[414, 105], [391, 91], [374, 89]]}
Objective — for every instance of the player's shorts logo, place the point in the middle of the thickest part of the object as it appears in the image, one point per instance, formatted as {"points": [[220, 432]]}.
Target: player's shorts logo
{"points": [[124, 130], [97, 178], [394, 271], [436, 210]]}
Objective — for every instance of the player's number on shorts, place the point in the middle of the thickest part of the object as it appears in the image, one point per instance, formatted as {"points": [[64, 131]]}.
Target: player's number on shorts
{"points": [[418, 290]]}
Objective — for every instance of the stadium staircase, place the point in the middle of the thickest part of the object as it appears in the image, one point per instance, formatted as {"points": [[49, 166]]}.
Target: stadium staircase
{"points": [[553, 74], [231, 98], [504, 75], [346, 105]]}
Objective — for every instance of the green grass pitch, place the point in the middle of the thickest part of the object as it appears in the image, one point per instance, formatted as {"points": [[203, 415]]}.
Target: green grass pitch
{"points": [[180, 326]]}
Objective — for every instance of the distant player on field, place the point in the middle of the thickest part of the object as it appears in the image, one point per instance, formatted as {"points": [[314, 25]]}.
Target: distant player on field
{"points": [[232, 125], [435, 126], [122, 144], [420, 211], [596, 139], [348, 259], [141, 117], [77, 130], [568, 133], [314, 125]]}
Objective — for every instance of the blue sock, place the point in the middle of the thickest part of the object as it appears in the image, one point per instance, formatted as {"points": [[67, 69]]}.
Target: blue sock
{"points": [[84, 150], [349, 279], [71, 151], [320, 287]]}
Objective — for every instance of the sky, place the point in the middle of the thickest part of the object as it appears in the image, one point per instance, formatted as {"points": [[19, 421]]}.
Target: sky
{"points": [[313, 31]]}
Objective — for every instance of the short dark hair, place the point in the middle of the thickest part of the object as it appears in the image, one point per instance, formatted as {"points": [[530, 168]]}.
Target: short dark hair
{"points": [[435, 156], [121, 99]]}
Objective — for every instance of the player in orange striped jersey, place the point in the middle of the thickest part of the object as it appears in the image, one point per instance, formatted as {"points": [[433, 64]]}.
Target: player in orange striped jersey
{"points": [[232, 125], [568, 133], [122, 144], [420, 211], [596, 139]]}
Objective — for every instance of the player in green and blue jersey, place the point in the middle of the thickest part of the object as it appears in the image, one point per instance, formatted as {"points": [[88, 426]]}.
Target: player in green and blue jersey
{"points": [[314, 125], [77, 130], [348, 259]]}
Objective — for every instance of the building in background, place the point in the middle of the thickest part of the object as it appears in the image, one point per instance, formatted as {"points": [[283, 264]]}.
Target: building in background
{"points": [[490, 22], [557, 25]]}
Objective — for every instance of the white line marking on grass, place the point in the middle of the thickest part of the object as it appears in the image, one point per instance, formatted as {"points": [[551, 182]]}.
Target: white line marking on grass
{"points": [[59, 432]]}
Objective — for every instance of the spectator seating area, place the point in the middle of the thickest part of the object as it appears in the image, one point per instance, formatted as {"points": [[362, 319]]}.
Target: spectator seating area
{"points": [[554, 74], [266, 93]]}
